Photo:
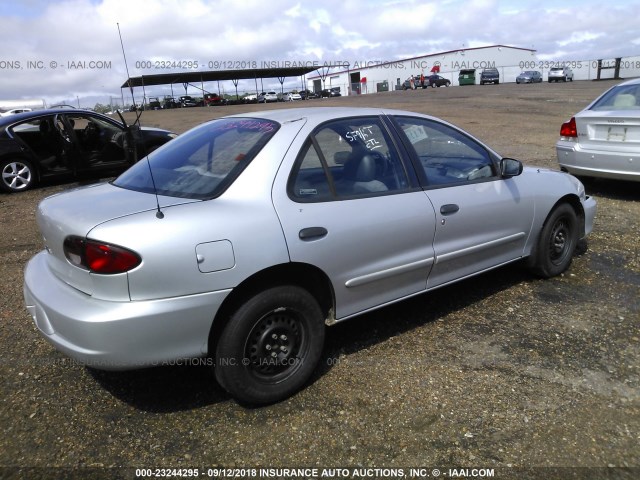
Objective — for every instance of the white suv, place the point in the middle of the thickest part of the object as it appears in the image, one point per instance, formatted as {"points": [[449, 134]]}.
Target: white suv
{"points": [[557, 74]]}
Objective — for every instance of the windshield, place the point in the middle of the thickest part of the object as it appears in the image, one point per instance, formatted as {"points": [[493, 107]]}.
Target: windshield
{"points": [[202, 162], [623, 97]]}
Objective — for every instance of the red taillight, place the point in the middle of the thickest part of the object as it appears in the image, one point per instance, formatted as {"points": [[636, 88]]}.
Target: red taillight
{"points": [[569, 129], [99, 257]]}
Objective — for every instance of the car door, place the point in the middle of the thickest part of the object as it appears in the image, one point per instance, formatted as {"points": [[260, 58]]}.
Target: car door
{"points": [[482, 219], [95, 143], [349, 207]]}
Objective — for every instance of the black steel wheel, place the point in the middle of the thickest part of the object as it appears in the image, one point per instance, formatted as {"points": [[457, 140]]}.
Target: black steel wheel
{"points": [[16, 175], [270, 346], [557, 242]]}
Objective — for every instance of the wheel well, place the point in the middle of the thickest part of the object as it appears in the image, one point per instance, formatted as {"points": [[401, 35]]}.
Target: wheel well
{"points": [[574, 202], [311, 278]]}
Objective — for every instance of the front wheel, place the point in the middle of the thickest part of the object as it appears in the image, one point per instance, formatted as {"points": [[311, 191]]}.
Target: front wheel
{"points": [[557, 242], [17, 175], [270, 346]]}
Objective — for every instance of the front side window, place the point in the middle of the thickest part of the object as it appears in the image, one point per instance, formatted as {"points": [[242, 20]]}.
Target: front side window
{"points": [[446, 155], [347, 158], [203, 162]]}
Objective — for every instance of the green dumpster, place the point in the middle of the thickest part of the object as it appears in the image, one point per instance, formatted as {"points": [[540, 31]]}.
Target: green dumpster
{"points": [[467, 76], [382, 86]]}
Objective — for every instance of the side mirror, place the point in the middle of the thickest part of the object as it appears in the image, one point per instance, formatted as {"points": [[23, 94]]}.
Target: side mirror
{"points": [[510, 167]]}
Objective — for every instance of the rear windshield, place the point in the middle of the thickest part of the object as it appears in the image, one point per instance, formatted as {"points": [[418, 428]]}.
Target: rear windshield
{"points": [[623, 97], [202, 162]]}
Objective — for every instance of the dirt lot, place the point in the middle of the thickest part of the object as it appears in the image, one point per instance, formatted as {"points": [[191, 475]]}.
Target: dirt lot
{"points": [[502, 371]]}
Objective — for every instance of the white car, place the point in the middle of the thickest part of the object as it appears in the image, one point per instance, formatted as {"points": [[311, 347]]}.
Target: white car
{"points": [[603, 140], [291, 96], [560, 74], [267, 97], [14, 111], [244, 237]]}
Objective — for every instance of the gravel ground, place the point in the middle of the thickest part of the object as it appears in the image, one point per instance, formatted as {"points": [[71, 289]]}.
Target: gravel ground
{"points": [[503, 371]]}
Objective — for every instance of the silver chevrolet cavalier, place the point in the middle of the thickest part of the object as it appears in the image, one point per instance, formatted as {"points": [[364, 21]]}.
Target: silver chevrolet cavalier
{"points": [[242, 238]]}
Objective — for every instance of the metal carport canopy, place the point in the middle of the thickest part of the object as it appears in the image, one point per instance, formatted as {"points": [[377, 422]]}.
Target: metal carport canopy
{"points": [[213, 75]]}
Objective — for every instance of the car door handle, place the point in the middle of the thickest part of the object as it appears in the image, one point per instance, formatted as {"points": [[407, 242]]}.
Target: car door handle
{"points": [[312, 233], [449, 209]]}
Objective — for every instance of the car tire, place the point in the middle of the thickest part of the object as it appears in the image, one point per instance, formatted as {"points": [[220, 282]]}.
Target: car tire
{"points": [[447, 84], [270, 346], [557, 242], [16, 175]]}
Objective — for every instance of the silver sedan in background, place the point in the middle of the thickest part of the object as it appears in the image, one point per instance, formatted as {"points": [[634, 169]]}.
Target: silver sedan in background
{"points": [[603, 140], [530, 76], [242, 238]]}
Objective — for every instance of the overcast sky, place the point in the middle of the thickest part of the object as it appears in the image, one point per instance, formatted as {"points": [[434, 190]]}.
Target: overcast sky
{"points": [[48, 46]]}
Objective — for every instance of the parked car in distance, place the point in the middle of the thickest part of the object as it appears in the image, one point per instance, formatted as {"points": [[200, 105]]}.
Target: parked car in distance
{"points": [[331, 92], [250, 98], [63, 143], [603, 140], [560, 74], [291, 96], [161, 264], [187, 101], [489, 75], [14, 111], [308, 94], [170, 102], [211, 99], [419, 81], [154, 103], [437, 81], [529, 76], [267, 97]]}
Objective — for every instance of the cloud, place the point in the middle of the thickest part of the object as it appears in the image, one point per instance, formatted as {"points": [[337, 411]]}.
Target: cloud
{"points": [[39, 32], [580, 37]]}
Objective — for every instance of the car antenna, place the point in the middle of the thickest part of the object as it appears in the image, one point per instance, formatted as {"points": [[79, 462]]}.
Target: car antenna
{"points": [[133, 99], [159, 213]]}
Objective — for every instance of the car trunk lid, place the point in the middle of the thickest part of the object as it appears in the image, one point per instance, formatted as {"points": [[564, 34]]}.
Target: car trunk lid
{"points": [[608, 131], [77, 213]]}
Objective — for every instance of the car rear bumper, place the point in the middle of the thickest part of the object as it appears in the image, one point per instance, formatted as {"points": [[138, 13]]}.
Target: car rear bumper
{"points": [[595, 163], [117, 335]]}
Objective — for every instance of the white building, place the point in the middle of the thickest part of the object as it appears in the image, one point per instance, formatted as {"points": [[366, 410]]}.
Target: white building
{"points": [[370, 76]]}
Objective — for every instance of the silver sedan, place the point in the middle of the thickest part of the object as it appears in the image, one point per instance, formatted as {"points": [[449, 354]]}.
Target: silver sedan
{"points": [[241, 239], [530, 76], [603, 140]]}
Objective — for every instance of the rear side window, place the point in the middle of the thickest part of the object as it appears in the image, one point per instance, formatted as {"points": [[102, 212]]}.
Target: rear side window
{"points": [[203, 162], [624, 97]]}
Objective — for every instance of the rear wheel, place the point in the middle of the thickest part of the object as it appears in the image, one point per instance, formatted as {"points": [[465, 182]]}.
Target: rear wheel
{"points": [[16, 175], [270, 346], [557, 242]]}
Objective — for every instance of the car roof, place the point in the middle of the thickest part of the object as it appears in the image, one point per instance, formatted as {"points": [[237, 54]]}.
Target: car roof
{"points": [[19, 117], [320, 114]]}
